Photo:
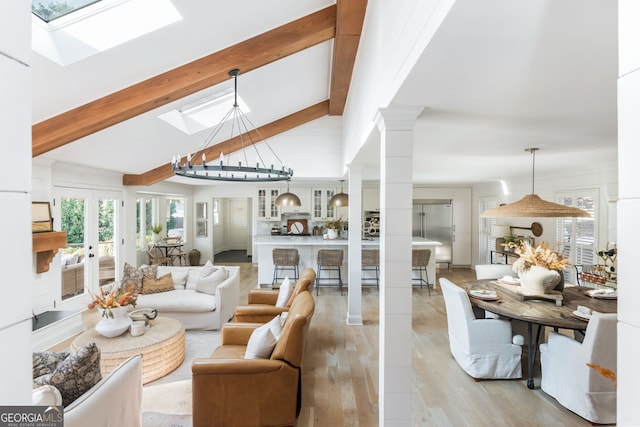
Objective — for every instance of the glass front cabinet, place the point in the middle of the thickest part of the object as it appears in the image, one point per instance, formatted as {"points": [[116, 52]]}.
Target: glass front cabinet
{"points": [[267, 209], [320, 209]]}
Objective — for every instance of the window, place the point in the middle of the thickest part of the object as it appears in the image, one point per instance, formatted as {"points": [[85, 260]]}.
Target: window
{"points": [[576, 237], [66, 31], [48, 10], [216, 211], [175, 217], [144, 219]]}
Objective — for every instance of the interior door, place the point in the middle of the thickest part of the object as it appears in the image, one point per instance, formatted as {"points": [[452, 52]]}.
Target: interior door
{"points": [[238, 224], [90, 218]]}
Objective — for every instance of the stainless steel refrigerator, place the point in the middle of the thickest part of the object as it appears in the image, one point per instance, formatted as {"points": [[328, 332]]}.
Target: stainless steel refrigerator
{"points": [[433, 219]]}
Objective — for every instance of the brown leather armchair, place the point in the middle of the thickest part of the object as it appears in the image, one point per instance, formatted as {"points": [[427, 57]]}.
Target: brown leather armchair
{"points": [[262, 302], [229, 390]]}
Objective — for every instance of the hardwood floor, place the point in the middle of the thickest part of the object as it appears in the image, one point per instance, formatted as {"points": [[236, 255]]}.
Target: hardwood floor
{"points": [[340, 372]]}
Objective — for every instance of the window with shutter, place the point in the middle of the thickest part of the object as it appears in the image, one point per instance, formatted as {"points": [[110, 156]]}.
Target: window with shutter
{"points": [[577, 237]]}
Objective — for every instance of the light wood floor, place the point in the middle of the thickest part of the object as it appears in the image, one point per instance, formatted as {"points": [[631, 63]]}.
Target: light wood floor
{"points": [[340, 371]]}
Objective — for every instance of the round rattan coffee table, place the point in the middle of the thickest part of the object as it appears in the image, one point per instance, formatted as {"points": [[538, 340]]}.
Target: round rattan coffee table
{"points": [[161, 347]]}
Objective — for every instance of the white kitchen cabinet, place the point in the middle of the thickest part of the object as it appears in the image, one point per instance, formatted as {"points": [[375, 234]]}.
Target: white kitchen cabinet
{"points": [[370, 199], [305, 201], [320, 209], [461, 247], [267, 209], [462, 210]]}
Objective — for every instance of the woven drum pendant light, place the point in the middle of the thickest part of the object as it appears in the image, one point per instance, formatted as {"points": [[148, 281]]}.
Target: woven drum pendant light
{"points": [[532, 205]]}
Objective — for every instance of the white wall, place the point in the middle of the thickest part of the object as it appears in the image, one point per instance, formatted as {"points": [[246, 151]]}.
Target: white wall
{"points": [[15, 198], [394, 35], [628, 213]]}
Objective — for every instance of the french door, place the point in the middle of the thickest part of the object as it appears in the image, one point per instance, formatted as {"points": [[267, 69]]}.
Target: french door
{"points": [[91, 220]]}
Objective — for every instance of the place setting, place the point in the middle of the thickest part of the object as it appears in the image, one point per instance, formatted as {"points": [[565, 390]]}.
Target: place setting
{"points": [[484, 294], [603, 293], [509, 280], [582, 312]]}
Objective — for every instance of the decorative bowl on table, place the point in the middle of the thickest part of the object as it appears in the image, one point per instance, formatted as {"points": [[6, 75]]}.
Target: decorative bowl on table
{"points": [[144, 314]]}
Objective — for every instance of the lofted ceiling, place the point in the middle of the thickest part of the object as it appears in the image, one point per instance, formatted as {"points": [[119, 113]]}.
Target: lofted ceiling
{"points": [[497, 77]]}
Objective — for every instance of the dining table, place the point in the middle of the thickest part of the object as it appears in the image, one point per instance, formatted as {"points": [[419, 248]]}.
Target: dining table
{"points": [[538, 311], [168, 246]]}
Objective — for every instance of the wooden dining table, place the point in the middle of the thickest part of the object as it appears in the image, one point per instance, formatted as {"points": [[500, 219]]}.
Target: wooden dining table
{"points": [[539, 312]]}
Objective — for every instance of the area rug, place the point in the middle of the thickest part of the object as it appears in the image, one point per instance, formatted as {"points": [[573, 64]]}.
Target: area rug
{"points": [[167, 401]]}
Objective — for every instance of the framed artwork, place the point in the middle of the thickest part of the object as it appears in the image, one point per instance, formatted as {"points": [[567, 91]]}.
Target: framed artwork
{"points": [[201, 228], [41, 220]]}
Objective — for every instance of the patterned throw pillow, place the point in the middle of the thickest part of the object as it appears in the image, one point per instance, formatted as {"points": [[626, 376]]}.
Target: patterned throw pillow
{"points": [[151, 285], [132, 277], [45, 362], [76, 374]]}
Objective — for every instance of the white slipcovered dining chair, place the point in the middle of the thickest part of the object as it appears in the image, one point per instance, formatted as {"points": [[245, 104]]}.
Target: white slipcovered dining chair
{"points": [[482, 347], [576, 386]]}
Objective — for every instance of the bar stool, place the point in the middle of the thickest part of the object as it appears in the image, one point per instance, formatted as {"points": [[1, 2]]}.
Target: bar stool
{"points": [[419, 262], [371, 262], [329, 260], [285, 260]]}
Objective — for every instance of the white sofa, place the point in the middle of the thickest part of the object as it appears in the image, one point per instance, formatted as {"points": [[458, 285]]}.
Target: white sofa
{"points": [[121, 389], [196, 310]]}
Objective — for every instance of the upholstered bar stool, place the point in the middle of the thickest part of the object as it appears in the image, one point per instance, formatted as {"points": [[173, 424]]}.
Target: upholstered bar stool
{"points": [[419, 261], [285, 260], [329, 260], [371, 262]]}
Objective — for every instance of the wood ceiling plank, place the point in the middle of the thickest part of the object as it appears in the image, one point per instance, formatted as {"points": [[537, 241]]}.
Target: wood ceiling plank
{"points": [[349, 21], [167, 87], [286, 123]]}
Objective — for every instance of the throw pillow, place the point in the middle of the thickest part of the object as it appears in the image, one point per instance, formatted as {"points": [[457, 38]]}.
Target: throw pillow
{"points": [[196, 273], [285, 292], [179, 276], [275, 325], [76, 374], [151, 285], [261, 343], [70, 259], [132, 277], [209, 284], [45, 362], [46, 395]]}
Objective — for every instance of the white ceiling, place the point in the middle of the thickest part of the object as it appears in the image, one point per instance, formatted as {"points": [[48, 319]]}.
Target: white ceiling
{"points": [[498, 77]]}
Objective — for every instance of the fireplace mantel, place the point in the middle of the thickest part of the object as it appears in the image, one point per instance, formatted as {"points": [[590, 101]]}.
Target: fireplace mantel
{"points": [[46, 245]]}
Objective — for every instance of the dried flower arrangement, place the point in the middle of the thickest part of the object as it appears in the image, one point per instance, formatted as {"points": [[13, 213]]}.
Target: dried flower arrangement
{"points": [[542, 256], [118, 297]]}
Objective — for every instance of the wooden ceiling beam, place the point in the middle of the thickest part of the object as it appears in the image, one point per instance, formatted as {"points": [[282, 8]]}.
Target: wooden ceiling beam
{"points": [[349, 21], [172, 85], [232, 145]]}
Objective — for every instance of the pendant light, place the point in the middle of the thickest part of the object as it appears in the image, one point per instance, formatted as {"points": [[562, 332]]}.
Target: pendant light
{"points": [[287, 199], [532, 205], [340, 199]]}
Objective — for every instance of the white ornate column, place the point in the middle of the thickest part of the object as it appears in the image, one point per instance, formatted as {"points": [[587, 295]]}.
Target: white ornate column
{"points": [[396, 194], [354, 296]]}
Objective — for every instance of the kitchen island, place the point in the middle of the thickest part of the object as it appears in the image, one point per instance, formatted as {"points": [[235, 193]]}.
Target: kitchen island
{"points": [[308, 247]]}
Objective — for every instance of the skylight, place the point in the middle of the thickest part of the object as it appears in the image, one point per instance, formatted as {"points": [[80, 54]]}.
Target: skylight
{"points": [[204, 113], [96, 26], [48, 10]]}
